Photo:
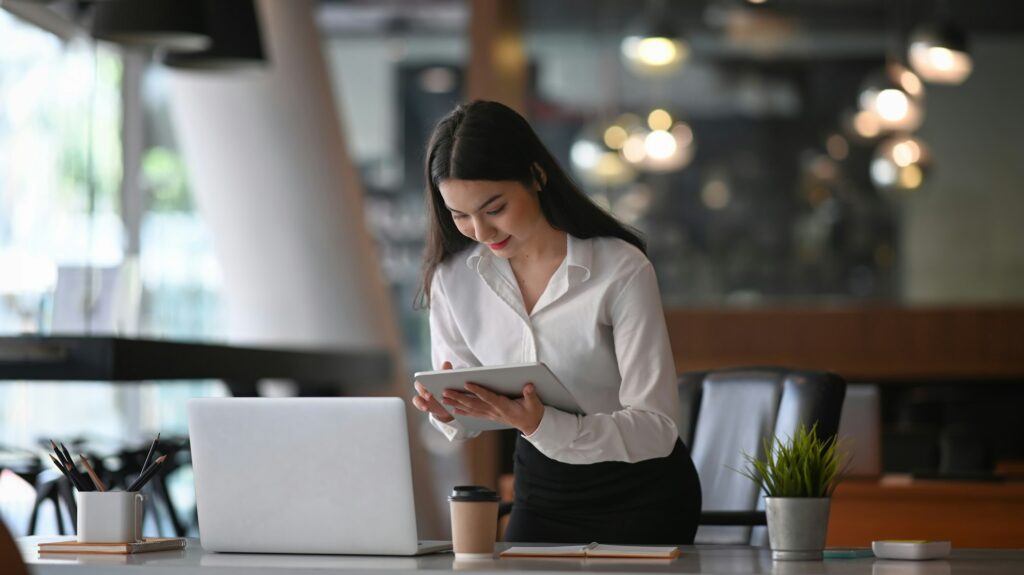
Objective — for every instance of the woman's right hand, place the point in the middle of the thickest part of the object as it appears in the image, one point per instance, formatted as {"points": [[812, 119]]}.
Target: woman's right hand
{"points": [[426, 401]]}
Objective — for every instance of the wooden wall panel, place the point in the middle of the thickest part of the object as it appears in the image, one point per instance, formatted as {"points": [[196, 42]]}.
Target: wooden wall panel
{"points": [[970, 514], [884, 344]]}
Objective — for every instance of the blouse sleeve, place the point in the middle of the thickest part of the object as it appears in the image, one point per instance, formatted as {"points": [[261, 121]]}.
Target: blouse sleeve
{"points": [[447, 344], [645, 427]]}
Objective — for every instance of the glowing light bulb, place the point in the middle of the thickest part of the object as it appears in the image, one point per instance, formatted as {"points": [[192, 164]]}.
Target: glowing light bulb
{"points": [[866, 124], [655, 54], [659, 144], [615, 136], [659, 119], [657, 51], [892, 105], [911, 177]]}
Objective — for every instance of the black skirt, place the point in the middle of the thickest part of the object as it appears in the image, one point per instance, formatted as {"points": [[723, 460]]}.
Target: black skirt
{"points": [[656, 501]]}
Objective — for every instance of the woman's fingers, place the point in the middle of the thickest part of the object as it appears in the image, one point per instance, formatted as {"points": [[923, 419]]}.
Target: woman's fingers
{"points": [[530, 396], [467, 403], [419, 404], [426, 401], [425, 395], [486, 395]]}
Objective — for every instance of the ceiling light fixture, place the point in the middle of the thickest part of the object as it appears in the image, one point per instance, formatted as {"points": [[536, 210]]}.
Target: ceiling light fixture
{"points": [[938, 52], [234, 30], [170, 24], [895, 97], [900, 163], [654, 45]]}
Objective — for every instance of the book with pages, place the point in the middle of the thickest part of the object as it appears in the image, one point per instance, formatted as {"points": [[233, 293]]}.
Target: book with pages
{"points": [[144, 546], [594, 550]]}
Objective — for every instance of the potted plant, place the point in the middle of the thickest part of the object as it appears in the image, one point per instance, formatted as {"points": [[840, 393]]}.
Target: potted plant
{"points": [[798, 477]]}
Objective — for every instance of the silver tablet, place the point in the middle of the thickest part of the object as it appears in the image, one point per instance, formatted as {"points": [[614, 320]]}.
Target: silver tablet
{"points": [[504, 379]]}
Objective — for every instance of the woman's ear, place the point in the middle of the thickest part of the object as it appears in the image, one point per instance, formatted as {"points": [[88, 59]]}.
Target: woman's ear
{"points": [[539, 175]]}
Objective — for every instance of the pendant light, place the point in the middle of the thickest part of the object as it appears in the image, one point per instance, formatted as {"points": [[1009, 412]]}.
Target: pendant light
{"points": [[595, 155], [900, 163], [662, 145], [170, 24], [938, 52], [235, 33], [895, 97], [654, 44]]}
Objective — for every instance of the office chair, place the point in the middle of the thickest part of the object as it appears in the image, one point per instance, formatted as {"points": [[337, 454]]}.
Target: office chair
{"points": [[49, 485], [727, 413]]}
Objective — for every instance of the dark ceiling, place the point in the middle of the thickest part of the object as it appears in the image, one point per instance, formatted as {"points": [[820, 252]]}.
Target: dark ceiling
{"points": [[998, 17]]}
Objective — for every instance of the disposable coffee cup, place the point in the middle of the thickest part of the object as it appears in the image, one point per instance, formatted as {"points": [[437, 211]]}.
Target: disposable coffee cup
{"points": [[474, 521], [110, 517]]}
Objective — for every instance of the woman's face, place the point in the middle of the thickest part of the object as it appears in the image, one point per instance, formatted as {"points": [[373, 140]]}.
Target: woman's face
{"points": [[503, 215]]}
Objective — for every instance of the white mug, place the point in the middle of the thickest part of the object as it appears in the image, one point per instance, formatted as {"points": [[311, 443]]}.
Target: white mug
{"points": [[110, 517]]}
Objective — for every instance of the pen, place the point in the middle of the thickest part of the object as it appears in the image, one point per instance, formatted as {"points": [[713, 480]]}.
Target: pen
{"points": [[152, 446], [147, 474], [92, 474]]}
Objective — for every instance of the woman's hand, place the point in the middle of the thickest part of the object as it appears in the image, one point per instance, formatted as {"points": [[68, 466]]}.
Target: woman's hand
{"points": [[523, 414], [426, 401]]}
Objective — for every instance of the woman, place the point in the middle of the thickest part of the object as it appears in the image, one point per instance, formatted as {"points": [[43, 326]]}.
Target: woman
{"points": [[521, 267]]}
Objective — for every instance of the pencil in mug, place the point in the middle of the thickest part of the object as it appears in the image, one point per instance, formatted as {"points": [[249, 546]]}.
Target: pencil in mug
{"points": [[92, 474], [78, 479], [67, 467], [147, 474], [64, 472], [149, 454], [70, 462]]}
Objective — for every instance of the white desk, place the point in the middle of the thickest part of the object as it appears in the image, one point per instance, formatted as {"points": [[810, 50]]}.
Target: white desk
{"points": [[718, 560]]}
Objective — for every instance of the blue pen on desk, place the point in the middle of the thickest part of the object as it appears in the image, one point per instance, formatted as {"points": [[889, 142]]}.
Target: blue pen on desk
{"points": [[847, 553]]}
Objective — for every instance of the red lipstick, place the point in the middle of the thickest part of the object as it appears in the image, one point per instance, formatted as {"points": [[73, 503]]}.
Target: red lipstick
{"points": [[500, 244]]}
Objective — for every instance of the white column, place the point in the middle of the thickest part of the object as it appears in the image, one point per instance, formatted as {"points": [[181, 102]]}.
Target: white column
{"points": [[274, 182], [272, 177]]}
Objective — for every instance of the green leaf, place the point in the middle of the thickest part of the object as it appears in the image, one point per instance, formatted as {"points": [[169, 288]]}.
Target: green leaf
{"points": [[803, 466]]}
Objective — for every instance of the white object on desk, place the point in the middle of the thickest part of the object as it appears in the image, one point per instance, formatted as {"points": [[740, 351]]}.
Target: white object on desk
{"points": [[304, 475], [719, 560], [110, 517], [506, 380], [910, 549]]}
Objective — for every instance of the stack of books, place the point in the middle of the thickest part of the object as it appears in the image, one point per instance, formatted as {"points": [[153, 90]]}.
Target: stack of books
{"points": [[594, 550], [144, 546]]}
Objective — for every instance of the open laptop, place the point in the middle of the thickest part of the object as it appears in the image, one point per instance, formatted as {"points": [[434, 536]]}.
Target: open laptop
{"points": [[304, 475]]}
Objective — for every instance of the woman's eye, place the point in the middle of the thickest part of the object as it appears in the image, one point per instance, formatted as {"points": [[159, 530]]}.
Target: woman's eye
{"points": [[458, 216], [496, 212]]}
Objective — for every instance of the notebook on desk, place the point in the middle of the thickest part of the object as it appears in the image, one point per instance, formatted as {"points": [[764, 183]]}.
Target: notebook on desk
{"points": [[304, 475]]}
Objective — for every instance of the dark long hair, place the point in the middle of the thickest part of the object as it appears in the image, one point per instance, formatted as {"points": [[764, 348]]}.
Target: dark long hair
{"points": [[489, 141]]}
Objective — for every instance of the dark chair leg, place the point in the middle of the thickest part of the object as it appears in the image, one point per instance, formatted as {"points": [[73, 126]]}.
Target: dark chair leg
{"points": [[67, 494], [46, 492], [160, 487], [152, 509]]}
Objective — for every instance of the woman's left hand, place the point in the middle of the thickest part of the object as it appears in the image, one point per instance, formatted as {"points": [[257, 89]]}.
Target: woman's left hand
{"points": [[523, 413]]}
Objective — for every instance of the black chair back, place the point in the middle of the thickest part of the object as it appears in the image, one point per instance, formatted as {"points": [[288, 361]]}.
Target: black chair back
{"points": [[727, 414]]}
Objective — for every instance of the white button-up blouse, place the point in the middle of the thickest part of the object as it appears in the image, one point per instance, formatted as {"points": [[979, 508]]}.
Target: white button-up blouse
{"points": [[600, 328]]}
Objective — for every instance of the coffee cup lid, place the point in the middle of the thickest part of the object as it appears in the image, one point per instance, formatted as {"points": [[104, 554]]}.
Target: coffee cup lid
{"points": [[472, 493]]}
